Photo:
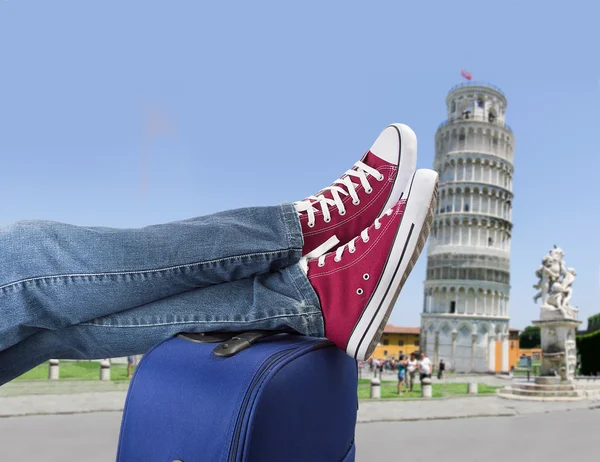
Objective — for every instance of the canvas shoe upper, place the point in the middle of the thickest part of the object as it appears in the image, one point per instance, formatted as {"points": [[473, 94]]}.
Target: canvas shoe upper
{"points": [[341, 211], [358, 283]]}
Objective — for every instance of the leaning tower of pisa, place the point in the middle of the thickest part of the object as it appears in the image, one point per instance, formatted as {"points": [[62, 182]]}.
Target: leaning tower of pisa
{"points": [[465, 313]]}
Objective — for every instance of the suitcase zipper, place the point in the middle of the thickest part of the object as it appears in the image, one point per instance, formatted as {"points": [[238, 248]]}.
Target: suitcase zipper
{"points": [[255, 382], [233, 453]]}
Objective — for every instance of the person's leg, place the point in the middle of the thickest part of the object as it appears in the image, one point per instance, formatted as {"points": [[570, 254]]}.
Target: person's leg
{"points": [[326, 296], [54, 275], [351, 292], [273, 301]]}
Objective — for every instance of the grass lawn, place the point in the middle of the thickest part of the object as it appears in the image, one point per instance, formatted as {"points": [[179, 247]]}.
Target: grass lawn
{"points": [[80, 370], [88, 370], [389, 389]]}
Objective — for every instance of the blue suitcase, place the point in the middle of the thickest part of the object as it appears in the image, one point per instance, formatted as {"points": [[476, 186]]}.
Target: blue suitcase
{"points": [[256, 397]]}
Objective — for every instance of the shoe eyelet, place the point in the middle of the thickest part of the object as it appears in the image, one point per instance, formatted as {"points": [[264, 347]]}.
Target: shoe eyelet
{"points": [[327, 220], [336, 259], [311, 225], [359, 291], [369, 191], [342, 212], [356, 202], [351, 250], [366, 240], [377, 226], [381, 178], [366, 276], [321, 265]]}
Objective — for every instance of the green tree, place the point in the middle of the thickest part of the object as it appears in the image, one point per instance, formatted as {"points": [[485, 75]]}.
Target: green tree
{"points": [[530, 337]]}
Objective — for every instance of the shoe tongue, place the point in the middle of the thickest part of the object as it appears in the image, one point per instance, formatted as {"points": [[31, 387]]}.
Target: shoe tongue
{"points": [[372, 160]]}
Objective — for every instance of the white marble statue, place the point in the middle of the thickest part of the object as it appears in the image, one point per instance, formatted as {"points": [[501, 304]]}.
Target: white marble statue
{"points": [[554, 285]]}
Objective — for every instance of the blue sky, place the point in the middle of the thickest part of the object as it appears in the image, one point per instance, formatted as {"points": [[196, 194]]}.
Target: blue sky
{"points": [[132, 113]]}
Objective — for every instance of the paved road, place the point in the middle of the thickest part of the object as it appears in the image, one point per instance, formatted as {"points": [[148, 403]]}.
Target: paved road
{"points": [[552, 436], [566, 435]]}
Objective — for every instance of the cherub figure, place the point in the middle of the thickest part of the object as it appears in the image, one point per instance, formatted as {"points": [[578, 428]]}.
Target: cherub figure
{"points": [[555, 283]]}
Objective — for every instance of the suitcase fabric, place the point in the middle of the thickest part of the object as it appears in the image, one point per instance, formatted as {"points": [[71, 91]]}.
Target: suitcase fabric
{"points": [[285, 398]]}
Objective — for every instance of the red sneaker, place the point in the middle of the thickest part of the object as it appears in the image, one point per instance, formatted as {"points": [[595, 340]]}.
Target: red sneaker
{"points": [[341, 211], [359, 283]]}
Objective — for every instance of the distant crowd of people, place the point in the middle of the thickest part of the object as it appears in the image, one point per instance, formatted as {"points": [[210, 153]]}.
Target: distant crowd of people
{"points": [[408, 367]]}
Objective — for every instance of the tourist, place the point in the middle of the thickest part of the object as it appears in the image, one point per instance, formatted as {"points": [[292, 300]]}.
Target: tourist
{"points": [[401, 373], [328, 266], [441, 369], [425, 367], [411, 369], [130, 361]]}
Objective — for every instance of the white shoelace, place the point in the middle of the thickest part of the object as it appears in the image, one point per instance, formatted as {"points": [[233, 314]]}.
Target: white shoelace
{"points": [[320, 251], [347, 187]]}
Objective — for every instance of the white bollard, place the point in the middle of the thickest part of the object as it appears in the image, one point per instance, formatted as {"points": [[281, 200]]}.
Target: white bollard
{"points": [[53, 373], [105, 369], [426, 388], [472, 388], [375, 389]]}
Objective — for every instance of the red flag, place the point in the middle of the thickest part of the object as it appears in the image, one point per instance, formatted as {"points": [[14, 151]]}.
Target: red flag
{"points": [[466, 74]]}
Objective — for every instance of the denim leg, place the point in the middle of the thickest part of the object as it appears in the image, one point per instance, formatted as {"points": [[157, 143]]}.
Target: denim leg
{"points": [[273, 301], [54, 275]]}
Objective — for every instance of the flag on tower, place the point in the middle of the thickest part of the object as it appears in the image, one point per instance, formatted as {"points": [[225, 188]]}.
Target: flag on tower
{"points": [[466, 74]]}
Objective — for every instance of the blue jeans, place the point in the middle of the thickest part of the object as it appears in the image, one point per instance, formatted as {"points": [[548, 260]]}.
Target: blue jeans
{"points": [[70, 292]]}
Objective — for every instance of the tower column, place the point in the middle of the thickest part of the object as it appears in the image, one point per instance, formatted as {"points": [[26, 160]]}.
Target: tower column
{"points": [[473, 350], [436, 349], [491, 352], [453, 360]]}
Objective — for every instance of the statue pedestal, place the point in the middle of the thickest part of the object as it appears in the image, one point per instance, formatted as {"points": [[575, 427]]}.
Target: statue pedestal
{"points": [[559, 352]]}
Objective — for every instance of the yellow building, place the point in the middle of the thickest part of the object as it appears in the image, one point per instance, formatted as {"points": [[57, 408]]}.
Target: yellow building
{"points": [[515, 351], [397, 341]]}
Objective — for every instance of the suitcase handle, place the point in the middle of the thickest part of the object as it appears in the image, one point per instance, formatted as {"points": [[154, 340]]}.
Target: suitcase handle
{"points": [[240, 342], [232, 342], [209, 337]]}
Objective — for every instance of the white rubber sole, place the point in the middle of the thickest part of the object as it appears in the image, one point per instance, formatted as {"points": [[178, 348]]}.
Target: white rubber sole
{"points": [[407, 164], [408, 244]]}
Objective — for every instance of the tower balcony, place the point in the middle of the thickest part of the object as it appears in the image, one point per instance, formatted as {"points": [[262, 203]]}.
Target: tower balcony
{"points": [[460, 249], [475, 84], [468, 117]]}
